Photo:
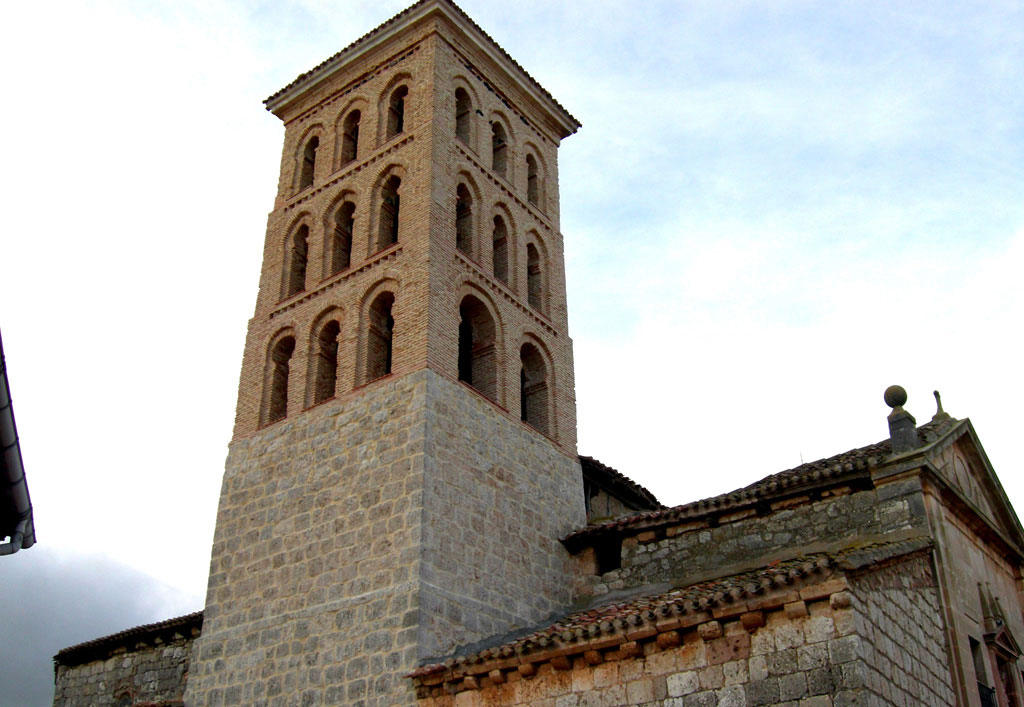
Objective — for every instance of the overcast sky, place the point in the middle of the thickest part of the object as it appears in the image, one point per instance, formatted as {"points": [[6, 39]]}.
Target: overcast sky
{"points": [[773, 211]]}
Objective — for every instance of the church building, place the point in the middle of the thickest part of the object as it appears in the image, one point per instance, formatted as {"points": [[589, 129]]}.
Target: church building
{"points": [[405, 520]]}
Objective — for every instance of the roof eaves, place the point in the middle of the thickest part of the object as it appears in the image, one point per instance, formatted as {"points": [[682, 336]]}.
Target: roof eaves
{"points": [[82, 652], [383, 31]]}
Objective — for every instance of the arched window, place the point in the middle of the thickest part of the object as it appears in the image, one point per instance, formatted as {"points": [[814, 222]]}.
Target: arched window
{"points": [[389, 207], [309, 163], [341, 241], [499, 243], [534, 278], [297, 257], [326, 362], [396, 111], [464, 220], [533, 388], [477, 353], [499, 148], [532, 180], [280, 360], [380, 336], [463, 111], [350, 137]]}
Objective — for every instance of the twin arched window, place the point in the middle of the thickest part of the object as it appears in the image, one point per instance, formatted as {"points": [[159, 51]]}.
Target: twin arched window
{"points": [[307, 169], [499, 246], [326, 370], [532, 179], [463, 112], [280, 365], [534, 278], [499, 149], [380, 336]]}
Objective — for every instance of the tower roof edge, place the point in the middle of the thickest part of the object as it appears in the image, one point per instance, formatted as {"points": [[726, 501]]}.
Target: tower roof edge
{"points": [[408, 17]]}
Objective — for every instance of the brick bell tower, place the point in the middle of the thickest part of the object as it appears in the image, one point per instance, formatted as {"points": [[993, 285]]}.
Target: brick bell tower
{"points": [[404, 454]]}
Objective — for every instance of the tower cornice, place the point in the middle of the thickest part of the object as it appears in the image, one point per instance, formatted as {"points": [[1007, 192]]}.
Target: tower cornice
{"points": [[418, 13]]}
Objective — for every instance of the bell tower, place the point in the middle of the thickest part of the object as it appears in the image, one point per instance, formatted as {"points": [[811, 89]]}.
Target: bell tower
{"points": [[404, 454]]}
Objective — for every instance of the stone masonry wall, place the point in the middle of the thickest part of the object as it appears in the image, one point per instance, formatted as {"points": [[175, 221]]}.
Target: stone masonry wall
{"points": [[313, 592], [497, 498], [899, 620], [697, 549], [804, 654], [152, 674]]}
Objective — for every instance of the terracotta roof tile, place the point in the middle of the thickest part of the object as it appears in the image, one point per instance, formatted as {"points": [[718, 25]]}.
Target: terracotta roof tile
{"points": [[83, 652], [616, 478], [618, 618], [852, 463]]}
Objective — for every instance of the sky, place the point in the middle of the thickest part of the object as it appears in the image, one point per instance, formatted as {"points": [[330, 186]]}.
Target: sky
{"points": [[773, 211]]}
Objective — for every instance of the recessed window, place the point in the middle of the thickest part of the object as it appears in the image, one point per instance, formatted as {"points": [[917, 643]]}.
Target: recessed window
{"points": [[499, 244], [390, 201], [350, 137], [477, 354], [280, 364], [463, 112], [380, 336], [326, 362], [533, 388], [499, 148], [296, 259], [464, 220], [534, 278], [396, 111], [341, 239], [532, 180], [308, 167]]}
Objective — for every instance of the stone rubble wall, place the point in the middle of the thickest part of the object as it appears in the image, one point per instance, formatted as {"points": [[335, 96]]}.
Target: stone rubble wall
{"points": [[147, 674], [697, 550], [903, 645]]}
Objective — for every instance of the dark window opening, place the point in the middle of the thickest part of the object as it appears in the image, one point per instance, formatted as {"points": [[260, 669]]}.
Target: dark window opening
{"points": [[326, 362], [390, 202], [381, 336], [341, 242], [533, 388], [499, 243], [463, 111], [297, 259], [396, 111], [608, 553], [280, 360], [464, 220], [534, 278], [532, 186], [309, 163], [499, 148], [478, 356], [350, 137]]}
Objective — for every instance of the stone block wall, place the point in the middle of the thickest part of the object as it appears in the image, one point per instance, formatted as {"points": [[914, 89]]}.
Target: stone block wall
{"points": [[498, 496], [802, 653], [313, 590], [902, 642], [713, 545], [145, 673]]}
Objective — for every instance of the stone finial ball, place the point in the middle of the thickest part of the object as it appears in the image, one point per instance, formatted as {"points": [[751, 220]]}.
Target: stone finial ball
{"points": [[895, 396]]}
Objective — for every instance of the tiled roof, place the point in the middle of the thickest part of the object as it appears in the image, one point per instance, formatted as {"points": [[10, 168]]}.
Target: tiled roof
{"points": [[83, 652], [620, 482], [850, 464], [393, 21], [642, 616]]}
